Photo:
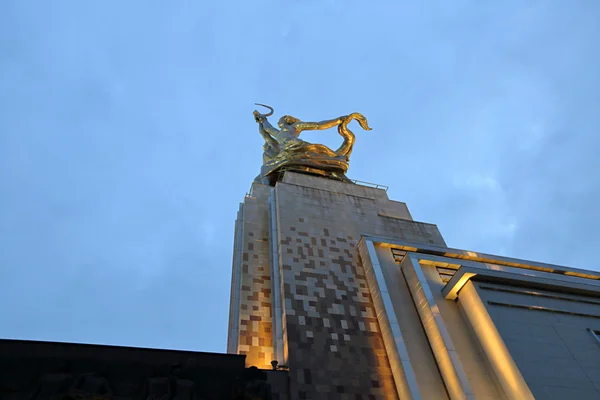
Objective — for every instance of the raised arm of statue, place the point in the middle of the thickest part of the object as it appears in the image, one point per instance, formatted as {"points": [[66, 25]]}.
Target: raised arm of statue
{"points": [[265, 130], [311, 126], [266, 125]]}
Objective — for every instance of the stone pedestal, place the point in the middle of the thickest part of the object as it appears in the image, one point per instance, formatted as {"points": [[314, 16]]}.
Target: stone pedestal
{"points": [[299, 291]]}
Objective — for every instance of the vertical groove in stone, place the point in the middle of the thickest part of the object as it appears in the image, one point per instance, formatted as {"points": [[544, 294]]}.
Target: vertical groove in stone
{"points": [[277, 310]]}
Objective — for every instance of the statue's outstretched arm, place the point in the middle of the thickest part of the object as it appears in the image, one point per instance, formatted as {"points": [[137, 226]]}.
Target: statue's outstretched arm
{"points": [[311, 126]]}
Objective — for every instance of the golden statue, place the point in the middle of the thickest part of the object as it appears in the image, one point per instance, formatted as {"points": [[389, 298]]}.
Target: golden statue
{"points": [[284, 151]]}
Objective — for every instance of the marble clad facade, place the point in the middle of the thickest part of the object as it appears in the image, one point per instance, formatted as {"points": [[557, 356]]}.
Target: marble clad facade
{"points": [[339, 284]]}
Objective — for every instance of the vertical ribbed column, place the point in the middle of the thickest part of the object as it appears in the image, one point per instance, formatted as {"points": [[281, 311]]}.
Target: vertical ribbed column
{"points": [[453, 373], [404, 375], [276, 301]]}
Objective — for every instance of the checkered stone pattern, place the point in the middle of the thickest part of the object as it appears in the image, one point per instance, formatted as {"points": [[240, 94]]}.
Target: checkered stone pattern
{"points": [[255, 335], [334, 345], [332, 341]]}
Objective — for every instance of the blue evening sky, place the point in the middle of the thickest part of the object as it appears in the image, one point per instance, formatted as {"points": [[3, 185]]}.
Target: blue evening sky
{"points": [[127, 142]]}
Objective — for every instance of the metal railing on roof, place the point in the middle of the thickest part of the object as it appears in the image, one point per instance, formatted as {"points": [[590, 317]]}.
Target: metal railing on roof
{"points": [[355, 181], [369, 184]]}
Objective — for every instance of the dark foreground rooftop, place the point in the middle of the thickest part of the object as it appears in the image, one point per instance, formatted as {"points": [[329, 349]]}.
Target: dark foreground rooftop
{"points": [[32, 370]]}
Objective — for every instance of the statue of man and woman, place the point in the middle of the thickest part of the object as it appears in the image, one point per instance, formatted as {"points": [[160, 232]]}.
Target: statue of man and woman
{"points": [[285, 151]]}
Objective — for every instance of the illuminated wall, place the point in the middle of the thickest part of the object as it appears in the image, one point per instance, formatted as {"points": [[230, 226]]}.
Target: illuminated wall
{"points": [[495, 327]]}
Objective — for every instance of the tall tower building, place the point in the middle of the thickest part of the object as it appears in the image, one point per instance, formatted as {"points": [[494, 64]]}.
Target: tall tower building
{"points": [[337, 283]]}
